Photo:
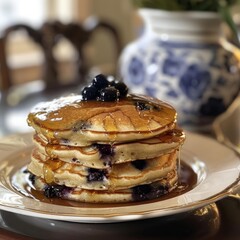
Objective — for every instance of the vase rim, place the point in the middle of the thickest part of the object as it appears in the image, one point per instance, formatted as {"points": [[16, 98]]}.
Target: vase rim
{"points": [[182, 24], [179, 14]]}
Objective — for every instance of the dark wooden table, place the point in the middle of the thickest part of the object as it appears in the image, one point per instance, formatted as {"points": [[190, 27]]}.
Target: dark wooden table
{"points": [[220, 222]]}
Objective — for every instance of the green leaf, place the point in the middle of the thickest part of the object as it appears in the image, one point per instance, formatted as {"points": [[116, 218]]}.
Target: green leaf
{"points": [[227, 17], [190, 5], [159, 4]]}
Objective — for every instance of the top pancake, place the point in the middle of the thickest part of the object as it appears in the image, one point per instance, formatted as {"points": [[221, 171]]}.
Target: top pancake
{"points": [[71, 121]]}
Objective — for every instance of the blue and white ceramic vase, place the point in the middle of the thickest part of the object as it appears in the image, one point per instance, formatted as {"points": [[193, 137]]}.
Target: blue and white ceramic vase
{"points": [[182, 58]]}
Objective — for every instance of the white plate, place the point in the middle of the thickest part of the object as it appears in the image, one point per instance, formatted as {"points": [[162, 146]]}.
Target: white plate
{"points": [[216, 166]]}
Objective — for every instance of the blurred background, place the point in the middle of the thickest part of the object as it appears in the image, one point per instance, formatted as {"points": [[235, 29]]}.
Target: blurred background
{"points": [[25, 57], [39, 59]]}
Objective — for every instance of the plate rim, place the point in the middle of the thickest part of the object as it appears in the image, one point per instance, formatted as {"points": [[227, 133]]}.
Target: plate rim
{"points": [[113, 217]]}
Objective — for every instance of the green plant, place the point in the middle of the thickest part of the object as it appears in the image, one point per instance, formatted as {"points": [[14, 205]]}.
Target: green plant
{"points": [[221, 6], [186, 5]]}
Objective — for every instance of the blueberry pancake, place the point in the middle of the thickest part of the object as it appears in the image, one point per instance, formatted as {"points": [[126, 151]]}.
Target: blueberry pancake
{"points": [[137, 193], [74, 122], [104, 155], [119, 176], [105, 145]]}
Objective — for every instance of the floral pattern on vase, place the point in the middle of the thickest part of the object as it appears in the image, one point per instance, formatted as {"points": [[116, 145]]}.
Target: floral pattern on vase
{"points": [[194, 82], [136, 71], [199, 79]]}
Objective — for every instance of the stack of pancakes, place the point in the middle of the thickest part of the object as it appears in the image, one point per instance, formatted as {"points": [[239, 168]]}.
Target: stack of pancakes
{"points": [[93, 151]]}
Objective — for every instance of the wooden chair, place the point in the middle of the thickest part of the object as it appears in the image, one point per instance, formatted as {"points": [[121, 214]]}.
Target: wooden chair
{"points": [[47, 37]]}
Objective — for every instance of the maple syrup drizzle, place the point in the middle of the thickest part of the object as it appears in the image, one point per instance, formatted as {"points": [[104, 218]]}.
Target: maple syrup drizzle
{"points": [[49, 167], [44, 114]]}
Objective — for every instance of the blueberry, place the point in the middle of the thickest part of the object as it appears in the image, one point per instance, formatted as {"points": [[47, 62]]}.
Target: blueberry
{"points": [[100, 82], [139, 164], [106, 152], [109, 94], [161, 190], [142, 192], [149, 191], [75, 160], [81, 125], [121, 87], [104, 149], [96, 174], [142, 106], [52, 191], [89, 93], [65, 140]]}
